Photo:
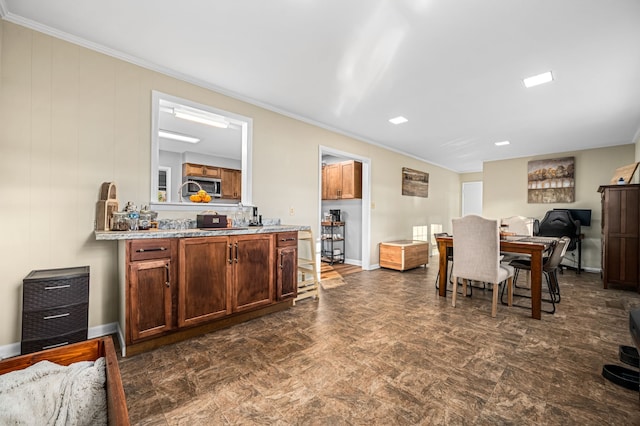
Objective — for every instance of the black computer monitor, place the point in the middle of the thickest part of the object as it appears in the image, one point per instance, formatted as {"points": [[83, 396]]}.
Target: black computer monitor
{"points": [[583, 215]]}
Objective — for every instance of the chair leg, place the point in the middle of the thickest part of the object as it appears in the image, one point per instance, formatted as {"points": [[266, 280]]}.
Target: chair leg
{"points": [[510, 291], [494, 304], [455, 291]]}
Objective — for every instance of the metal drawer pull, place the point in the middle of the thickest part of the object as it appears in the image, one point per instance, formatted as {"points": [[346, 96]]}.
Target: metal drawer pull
{"points": [[57, 287], [56, 316], [55, 346], [151, 249], [287, 239]]}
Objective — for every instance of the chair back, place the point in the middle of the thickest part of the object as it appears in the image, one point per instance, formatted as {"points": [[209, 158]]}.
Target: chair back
{"points": [[557, 254], [559, 223], [476, 244]]}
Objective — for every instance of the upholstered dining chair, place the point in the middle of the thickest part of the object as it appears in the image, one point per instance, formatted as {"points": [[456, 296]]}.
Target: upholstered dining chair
{"points": [[550, 268], [476, 244]]}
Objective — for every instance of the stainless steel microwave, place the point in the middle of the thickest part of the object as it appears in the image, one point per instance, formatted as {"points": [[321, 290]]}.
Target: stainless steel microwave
{"points": [[211, 185]]}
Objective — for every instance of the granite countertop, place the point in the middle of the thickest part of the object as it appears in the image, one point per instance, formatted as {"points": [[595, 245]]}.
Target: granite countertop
{"points": [[187, 233]]}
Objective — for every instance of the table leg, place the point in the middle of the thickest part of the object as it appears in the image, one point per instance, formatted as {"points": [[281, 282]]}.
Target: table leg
{"points": [[442, 250], [536, 284]]}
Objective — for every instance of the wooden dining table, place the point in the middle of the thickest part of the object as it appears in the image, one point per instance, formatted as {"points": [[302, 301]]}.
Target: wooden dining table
{"points": [[532, 246]]}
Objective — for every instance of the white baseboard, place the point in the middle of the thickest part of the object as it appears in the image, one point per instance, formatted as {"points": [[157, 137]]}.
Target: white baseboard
{"points": [[13, 349]]}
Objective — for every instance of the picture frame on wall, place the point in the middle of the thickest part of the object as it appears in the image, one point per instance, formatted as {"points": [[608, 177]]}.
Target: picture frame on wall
{"points": [[415, 183], [551, 181]]}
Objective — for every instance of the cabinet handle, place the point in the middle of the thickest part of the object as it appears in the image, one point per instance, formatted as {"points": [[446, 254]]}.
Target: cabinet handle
{"points": [[281, 260], [57, 287], [151, 249], [230, 253], [168, 282], [48, 317], [287, 239], [236, 258]]}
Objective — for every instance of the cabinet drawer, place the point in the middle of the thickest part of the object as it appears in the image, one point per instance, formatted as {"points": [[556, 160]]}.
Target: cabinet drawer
{"points": [[54, 322], [149, 249], [38, 295], [29, 346], [286, 239]]}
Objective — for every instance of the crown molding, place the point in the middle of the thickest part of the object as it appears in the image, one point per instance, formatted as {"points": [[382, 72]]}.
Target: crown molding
{"points": [[3, 9], [36, 26]]}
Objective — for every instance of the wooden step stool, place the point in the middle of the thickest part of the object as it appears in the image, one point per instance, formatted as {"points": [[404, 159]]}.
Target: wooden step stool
{"points": [[307, 271]]}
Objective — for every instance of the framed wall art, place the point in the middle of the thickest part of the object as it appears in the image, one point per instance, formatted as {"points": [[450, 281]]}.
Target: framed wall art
{"points": [[551, 181], [415, 183]]}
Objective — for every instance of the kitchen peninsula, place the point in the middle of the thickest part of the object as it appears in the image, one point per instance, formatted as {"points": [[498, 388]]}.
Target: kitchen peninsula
{"points": [[176, 284]]}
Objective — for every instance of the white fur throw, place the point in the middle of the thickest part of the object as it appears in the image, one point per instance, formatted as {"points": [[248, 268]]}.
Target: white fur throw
{"points": [[51, 394]]}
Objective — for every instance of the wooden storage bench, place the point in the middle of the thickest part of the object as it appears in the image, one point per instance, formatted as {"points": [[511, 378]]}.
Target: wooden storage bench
{"points": [[404, 254]]}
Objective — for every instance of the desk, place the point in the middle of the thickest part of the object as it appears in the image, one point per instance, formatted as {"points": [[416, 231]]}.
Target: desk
{"points": [[534, 249]]}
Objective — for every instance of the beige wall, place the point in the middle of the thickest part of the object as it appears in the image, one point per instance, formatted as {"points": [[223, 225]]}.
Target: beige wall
{"points": [[73, 118], [505, 190]]}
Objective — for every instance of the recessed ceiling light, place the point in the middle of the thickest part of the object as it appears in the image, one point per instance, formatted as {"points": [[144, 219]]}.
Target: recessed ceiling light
{"points": [[398, 120], [503, 143], [177, 136], [536, 80]]}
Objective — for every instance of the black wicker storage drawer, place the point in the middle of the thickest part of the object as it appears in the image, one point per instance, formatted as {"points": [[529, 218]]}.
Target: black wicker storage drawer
{"points": [[55, 308], [29, 346], [50, 288], [53, 322]]}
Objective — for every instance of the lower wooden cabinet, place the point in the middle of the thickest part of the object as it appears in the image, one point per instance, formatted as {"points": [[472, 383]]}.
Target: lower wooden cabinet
{"points": [[205, 273], [252, 272], [175, 284], [223, 275], [286, 265], [151, 278]]}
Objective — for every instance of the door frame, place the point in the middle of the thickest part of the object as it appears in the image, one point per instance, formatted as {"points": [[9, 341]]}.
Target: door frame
{"points": [[365, 261]]}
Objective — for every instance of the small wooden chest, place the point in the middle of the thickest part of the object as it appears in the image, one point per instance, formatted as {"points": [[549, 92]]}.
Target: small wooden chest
{"points": [[404, 254]]}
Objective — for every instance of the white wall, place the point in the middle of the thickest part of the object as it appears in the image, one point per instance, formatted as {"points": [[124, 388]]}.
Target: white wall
{"points": [[73, 118]]}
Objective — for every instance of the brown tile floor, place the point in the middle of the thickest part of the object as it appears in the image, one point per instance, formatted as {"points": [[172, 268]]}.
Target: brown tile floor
{"points": [[385, 349]]}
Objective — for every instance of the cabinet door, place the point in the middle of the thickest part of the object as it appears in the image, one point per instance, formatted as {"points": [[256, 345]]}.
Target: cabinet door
{"points": [[333, 181], [231, 183], [286, 272], [200, 170], [205, 276], [253, 271], [351, 182], [150, 298], [621, 230]]}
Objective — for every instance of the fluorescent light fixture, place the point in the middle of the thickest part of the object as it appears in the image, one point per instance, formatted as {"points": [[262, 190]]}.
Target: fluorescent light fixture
{"points": [[503, 143], [201, 117], [398, 120], [538, 79], [177, 136]]}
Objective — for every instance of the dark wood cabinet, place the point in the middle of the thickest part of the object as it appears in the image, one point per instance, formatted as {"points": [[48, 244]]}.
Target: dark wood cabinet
{"points": [[286, 265], [252, 271], [342, 180], [151, 278], [175, 288], [205, 276], [223, 275], [621, 236]]}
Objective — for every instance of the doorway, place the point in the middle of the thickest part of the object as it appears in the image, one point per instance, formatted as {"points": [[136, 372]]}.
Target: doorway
{"points": [[356, 213], [472, 198]]}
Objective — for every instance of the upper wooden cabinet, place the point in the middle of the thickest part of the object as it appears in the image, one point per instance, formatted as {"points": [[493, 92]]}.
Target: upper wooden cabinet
{"points": [[342, 180], [231, 186], [200, 170]]}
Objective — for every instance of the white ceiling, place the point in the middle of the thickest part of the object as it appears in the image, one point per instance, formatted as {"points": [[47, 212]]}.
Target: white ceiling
{"points": [[452, 67]]}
